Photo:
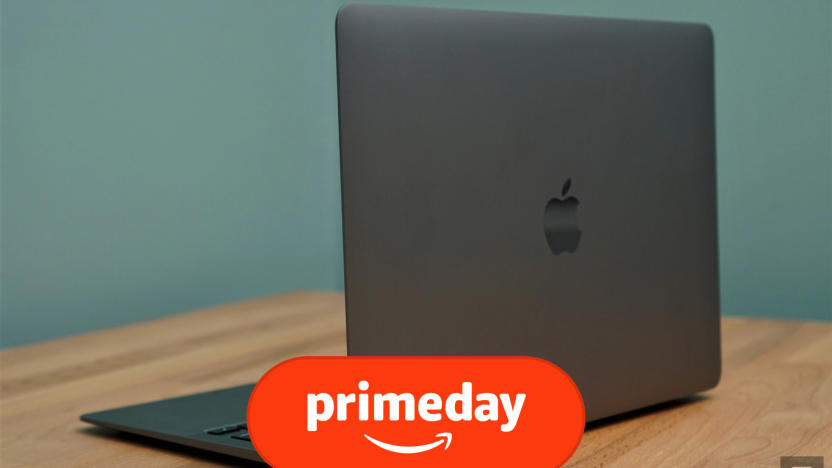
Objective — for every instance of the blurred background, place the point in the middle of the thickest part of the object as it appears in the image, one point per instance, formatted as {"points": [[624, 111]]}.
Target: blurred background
{"points": [[162, 156]]}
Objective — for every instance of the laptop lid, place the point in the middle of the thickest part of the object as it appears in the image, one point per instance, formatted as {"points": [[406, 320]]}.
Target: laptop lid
{"points": [[521, 184]]}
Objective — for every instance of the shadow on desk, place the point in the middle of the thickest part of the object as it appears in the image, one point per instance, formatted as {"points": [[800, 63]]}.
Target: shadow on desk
{"points": [[191, 452], [653, 409]]}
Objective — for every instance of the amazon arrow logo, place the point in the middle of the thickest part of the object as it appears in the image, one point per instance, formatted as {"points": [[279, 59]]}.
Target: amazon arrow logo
{"points": [[444, 438]]}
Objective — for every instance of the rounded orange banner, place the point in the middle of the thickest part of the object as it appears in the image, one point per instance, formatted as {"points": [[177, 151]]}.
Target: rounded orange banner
{"points": [[415, 411]]}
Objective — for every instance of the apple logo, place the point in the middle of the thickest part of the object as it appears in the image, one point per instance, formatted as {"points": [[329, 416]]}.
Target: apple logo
{"points": [[560, 222]]}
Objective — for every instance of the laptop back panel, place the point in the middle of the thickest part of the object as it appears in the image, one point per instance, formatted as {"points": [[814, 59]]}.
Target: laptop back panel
{"points": [[519, 184]]}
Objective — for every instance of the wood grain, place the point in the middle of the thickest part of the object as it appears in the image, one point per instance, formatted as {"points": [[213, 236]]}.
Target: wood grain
{"points": [[775, 397]]}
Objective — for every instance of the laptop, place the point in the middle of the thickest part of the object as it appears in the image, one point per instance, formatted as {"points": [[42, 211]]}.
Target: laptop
{"points": [[516, 184]]}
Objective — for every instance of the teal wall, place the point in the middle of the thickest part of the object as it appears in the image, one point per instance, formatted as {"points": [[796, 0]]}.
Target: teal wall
{"points": [[161, 156]]}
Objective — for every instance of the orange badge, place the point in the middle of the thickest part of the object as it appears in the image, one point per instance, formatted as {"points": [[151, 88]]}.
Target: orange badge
{"points": [[416, 411]]}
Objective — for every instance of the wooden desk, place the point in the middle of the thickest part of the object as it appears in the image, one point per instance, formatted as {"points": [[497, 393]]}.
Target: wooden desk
{"points": [[775, 397]]}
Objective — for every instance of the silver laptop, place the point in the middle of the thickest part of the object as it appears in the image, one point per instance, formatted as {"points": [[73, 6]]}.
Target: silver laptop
{"points": [[516, 184]]}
